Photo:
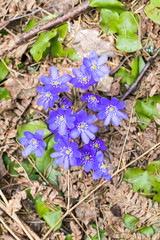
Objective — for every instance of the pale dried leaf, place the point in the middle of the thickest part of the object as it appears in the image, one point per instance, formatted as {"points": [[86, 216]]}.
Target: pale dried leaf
{"points": [[76, 233]]}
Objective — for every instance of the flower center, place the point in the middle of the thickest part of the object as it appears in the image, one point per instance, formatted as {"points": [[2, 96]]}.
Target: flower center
{"points": [[61, 118], [67, 151], [63, 107], [34, 142], [93, 98], [82, 126], [87, 157], [84, 79], [104, 166], [48, 95], [56, 83], [111, 109], [96, 145], [94, 66]]}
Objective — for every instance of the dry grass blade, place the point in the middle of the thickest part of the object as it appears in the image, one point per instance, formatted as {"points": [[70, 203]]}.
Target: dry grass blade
{"points": [[121, 157], [13, 215], [9, 230]]}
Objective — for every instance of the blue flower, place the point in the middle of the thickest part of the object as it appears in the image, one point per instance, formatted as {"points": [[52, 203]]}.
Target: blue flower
{"points": [[84, 127], [65, 104], [61, 119], [95, 65], [87, 159], [55, 82], [83, 78], [58, 136], [66, 153], [100, 167], [92, 99], [47, 98], [110, 111], [98, 144], [33, 142]]}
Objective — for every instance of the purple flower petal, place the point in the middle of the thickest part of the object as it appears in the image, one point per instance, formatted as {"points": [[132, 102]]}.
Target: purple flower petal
{"points": [[53, 72], [27, 150], [97, 174], [24, 141], [102, 59], [116, 120], [74, 133]]}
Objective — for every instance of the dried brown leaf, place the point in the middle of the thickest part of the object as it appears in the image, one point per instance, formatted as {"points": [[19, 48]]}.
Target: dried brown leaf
{"points": [[76, 233]]}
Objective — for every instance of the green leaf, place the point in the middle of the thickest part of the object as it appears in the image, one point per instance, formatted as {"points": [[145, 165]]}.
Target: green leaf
{"points": [[130, 43], [43, 162], [125, 24], [129, 77], [3, 71], [30, 25], [51, 217], [96, 237], [150, 230], [32, 127], [126, 76], [108, 21], [113, 5], [57, 49], [147, 182], [153, 11], [72, 54], [52, 174], [4, 94], [10, 166], [69, 237], [146, 109], [41, 44], [137, 66], [130, 222]]}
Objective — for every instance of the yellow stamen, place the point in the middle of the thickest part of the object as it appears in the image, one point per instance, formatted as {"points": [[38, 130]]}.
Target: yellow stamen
{"points": [[48, 95], [96, 145], [63, 107], [104, 166], [84, 79], [94, 98], [61, 118], [94, 66], [82, 125], [56, 83], [111, 108], [67, 151], [34, 142], [87, 157]]}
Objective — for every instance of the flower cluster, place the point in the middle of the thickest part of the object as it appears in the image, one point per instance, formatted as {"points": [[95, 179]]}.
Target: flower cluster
{"points": [[68, 126]]}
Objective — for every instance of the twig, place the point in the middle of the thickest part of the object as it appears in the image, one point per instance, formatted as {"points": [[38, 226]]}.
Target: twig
{"points": [[96, 218], [68, 205], [9, 230], [95, 189], [33, 12], [120, 65], [48, 136], [121, 156], [39, 112], [54, 23], [51, 229], [132, 88], [15, 217], [82, 107]]}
